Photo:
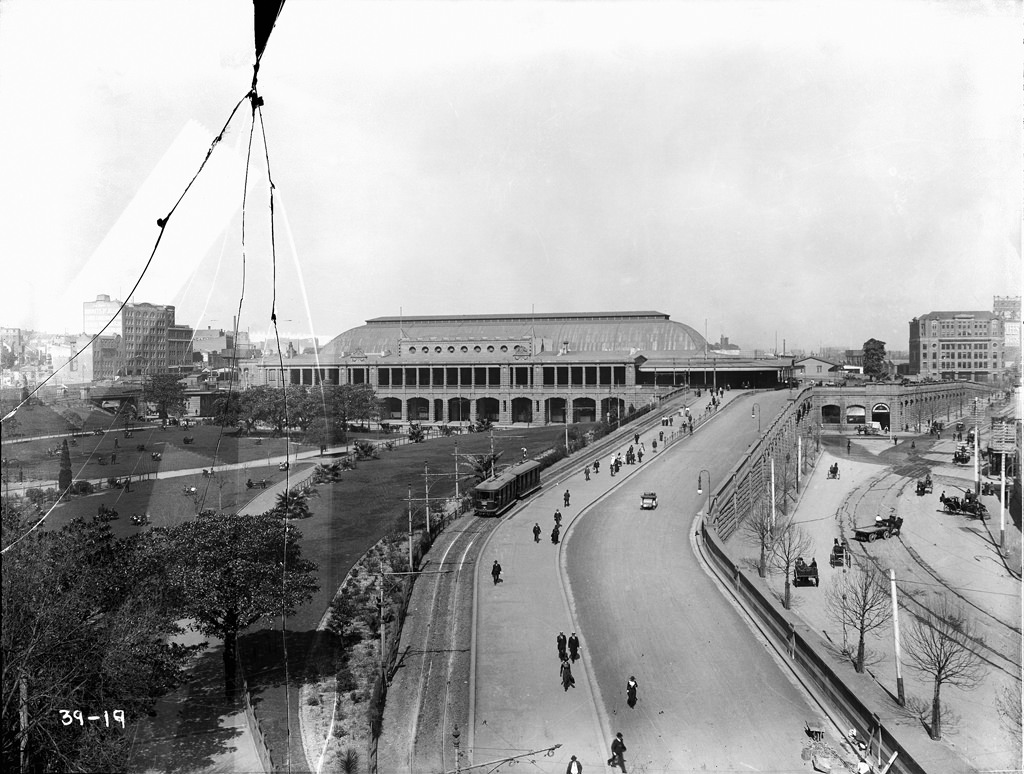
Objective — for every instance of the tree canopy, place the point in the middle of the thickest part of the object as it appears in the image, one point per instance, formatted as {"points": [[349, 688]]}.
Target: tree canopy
{"points": [[874, 358], [87, 623], [234, 570], [167, 393]]}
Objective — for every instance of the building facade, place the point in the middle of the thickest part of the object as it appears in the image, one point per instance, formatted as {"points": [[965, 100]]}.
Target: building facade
{"points": [[579, 367], [957, 346], [179, 347]]}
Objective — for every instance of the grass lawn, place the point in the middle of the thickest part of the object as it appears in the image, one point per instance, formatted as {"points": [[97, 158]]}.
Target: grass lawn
{"points": [[348, 518], [209, 448]]}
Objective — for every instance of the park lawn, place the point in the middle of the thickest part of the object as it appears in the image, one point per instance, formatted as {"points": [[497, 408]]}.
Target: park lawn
{"points": [[40, 419], [349, 517], [210, 448]]}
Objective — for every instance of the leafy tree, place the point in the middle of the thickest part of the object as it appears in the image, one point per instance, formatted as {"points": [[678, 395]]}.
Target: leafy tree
{"points": [[349, 403], [941, 644], [859, 600], [227, 409], [874, 359], [791, 542], [87, 622], [64, 476], [234, 570], [167, 393], [264, 404], [416, 434]]}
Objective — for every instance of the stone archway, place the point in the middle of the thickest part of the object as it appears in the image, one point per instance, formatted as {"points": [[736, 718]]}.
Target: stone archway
{"points": [[391, 408], [584, 410], [522, 410], [459, 410], [488, 408], [830, 414], [855, 415], [880, 413], [418, 410]]}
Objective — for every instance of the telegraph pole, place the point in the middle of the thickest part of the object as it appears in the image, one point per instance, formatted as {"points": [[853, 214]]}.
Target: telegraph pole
{"points": [[901, 697]]}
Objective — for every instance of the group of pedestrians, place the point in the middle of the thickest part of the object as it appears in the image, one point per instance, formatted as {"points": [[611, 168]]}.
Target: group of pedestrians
{"points": [[568, 652]]}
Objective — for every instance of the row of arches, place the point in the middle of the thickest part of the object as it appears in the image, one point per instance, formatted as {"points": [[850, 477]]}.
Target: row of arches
{"points": [[496, 410], [832, 414]]}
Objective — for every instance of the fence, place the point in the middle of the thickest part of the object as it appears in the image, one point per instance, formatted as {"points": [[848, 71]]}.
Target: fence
{"points": [[262, 748], [785, 448]]}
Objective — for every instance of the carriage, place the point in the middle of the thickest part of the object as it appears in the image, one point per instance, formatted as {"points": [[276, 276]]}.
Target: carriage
{"points": [[648, 501], [805, 574], [969, 506], [840, 555]]}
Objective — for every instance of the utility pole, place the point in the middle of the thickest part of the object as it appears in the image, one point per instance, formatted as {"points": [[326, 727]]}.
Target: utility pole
{"points": [[1002, 500], [901, 697]]}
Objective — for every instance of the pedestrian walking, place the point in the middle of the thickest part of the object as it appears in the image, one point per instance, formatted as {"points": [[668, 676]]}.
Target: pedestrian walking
{"points": [[597, 466], [565, 497], [536, 533], [611, 464], [654, 445], [574, 767], [561, 642], [640, 456], [586, 473], [636, 437], [568, 681], [558, 518], [847, 445], [631, 686], [574, 647], [618, 753], [554, 535], [496, 572]]}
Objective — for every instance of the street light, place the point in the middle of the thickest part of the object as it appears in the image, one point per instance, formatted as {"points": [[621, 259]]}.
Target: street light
{"points": [[758, 407], [701, 491]]}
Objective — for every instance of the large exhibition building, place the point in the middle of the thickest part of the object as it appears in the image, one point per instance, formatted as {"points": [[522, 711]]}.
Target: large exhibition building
{"points": [[519, 368]]}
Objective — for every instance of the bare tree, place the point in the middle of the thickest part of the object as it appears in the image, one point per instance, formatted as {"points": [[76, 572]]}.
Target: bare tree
{"points": [[759, 529], [940, 644], [791, 542], [859, 600]]}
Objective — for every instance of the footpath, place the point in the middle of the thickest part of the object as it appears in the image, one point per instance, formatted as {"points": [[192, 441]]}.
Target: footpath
{"points": [[937, 553], [520, 615]]}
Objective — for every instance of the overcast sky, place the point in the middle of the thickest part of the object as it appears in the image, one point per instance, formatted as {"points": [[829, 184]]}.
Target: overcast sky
{"points": [[815, 172]]}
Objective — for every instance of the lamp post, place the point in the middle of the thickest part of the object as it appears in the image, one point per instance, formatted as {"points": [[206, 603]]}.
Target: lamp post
{"points": [[758, 407], [702, 472]]}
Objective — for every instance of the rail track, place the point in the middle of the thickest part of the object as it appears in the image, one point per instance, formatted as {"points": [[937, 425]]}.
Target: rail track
{"points": [[880, 494]]}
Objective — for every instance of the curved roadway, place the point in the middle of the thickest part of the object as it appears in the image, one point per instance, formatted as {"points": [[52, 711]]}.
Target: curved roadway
{"points": [[712, 696]]}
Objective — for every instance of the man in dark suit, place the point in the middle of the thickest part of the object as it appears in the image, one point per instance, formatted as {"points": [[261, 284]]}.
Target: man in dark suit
{"points": [[560, 641], [618, 753], [574, 646]]}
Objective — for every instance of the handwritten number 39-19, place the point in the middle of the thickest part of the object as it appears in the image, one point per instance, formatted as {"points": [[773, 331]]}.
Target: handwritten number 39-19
{"points": [[67, 717]]}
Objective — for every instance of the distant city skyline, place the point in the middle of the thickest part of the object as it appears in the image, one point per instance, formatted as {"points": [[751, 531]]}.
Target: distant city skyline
{"points": [[787, 170]]}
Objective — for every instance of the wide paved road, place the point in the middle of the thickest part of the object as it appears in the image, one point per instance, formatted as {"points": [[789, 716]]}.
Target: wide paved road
{"points": [[711, 696]]}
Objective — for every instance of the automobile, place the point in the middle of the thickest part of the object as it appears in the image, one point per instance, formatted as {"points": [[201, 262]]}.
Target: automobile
{"points": [[648, 501]]}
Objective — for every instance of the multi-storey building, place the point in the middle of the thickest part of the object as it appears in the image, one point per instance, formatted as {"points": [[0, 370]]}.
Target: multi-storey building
{"points": [[179, 346], [144, 330], [957, 345], [145, 338], [518, 368], [98, 358]]}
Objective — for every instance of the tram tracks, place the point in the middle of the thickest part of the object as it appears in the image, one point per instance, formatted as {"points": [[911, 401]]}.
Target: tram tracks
{"points": [[880, 494], [444, 648]]}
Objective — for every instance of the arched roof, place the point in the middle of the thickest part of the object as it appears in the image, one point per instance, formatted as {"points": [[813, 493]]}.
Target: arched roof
{"points": [[582, 331]]}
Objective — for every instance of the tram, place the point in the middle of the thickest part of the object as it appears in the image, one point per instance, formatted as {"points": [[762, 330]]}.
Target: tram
{"points": [[496, 495]]}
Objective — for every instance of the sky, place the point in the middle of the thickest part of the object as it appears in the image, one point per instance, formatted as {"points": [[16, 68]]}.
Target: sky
{"points": [[815, 173]]}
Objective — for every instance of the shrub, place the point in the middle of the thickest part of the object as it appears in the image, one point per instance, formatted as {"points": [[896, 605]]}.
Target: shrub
{"points": [[313, 701]]}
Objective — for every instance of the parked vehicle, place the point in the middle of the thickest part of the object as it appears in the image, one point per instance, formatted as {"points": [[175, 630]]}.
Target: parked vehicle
{"points": [[882, 528]]}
